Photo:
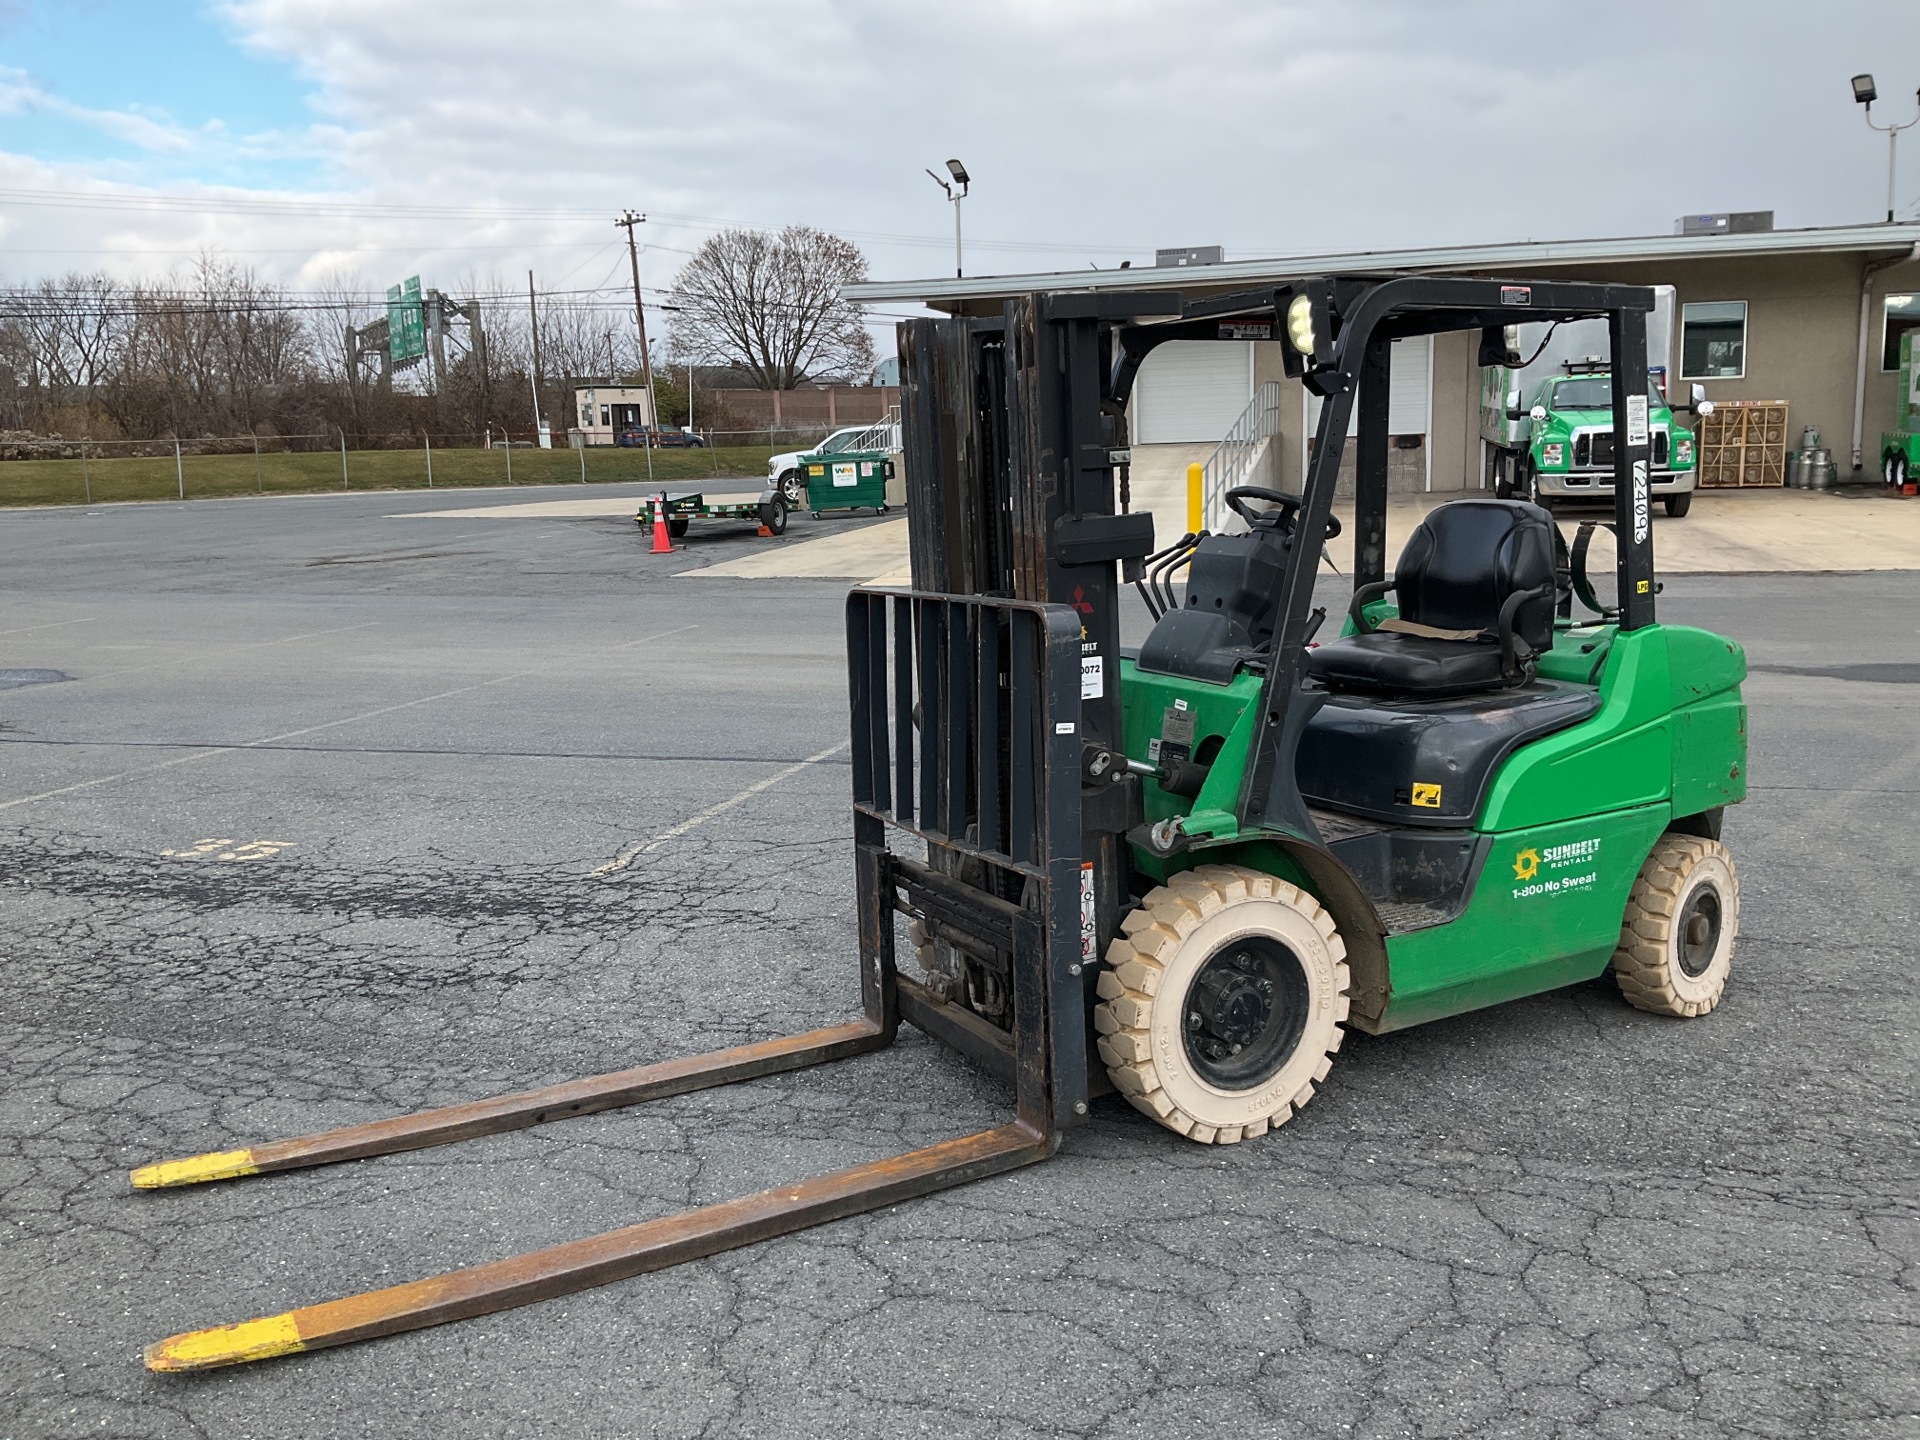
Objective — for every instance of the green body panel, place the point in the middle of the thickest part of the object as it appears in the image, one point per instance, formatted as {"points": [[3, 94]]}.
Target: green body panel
{"points": [[1545, 913], [1569, 819], [1904, 438], [1709, 720]]}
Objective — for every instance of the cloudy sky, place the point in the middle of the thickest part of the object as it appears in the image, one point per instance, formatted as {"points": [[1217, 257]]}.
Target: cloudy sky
{"points": [[470, 141]]}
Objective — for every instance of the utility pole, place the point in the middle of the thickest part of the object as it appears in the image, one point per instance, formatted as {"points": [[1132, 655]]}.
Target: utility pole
{"points": [[533, 317], [627, 221]]}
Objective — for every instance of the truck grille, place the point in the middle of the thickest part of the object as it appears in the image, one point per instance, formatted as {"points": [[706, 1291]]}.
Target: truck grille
{"points": [[1594, 449]]}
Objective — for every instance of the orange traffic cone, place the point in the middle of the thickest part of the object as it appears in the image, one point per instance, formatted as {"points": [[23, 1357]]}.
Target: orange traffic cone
{"points": [[662, 542]]}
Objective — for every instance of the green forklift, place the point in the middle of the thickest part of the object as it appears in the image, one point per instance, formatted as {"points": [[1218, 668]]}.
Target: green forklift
{"points": [[1184, 872]]}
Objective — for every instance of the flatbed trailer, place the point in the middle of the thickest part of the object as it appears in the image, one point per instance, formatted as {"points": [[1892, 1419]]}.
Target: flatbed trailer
{"points": [[683, 507]]}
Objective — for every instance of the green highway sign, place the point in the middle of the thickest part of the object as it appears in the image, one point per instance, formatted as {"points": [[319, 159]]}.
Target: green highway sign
{"points": [[406, 322]]}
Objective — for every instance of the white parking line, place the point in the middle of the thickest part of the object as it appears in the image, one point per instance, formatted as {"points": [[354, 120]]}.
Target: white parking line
{"points": [[51, 624], [673, 832]]}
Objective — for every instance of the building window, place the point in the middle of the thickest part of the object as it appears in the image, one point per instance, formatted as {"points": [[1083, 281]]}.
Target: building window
{"points": [[1901, 314], [1713, 340], [604, 419]]}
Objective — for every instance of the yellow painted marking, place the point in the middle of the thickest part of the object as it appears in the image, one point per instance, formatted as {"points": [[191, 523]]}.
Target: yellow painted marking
{"points": [[219, 1165], [205, 847], [1427, 795], [226, 1345], [257, 850]]}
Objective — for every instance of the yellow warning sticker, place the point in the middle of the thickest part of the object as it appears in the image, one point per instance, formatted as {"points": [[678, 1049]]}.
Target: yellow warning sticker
{"points": [[1427, 795], [1641, 587]]}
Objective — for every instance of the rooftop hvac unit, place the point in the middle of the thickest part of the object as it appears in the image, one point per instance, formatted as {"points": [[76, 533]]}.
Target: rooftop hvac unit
{"points": [[1192, 255], [1725, 222]]}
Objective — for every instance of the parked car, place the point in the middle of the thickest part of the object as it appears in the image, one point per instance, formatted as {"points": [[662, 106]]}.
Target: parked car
{"points": [[637, 435], [789, 476]]}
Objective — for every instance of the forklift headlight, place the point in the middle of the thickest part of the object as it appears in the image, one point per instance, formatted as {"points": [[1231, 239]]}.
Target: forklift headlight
{"points": [[1300, 324]]}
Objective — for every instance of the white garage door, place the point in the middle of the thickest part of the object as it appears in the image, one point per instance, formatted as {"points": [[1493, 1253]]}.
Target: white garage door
{"points": [[1409, 391], [1191, 390]]}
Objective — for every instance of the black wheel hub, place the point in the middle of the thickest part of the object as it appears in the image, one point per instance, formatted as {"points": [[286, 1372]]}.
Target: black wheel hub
{"points": [[1245, 1012], [1699, 931]]}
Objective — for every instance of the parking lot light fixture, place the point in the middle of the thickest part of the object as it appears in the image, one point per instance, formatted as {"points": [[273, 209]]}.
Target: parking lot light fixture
{"points": [[1865, 93], [963, 180]]}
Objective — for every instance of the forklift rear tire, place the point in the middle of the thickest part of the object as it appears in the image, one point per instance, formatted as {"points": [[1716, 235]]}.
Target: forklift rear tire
{"points": [[1683, 916], [1222, 1003]]}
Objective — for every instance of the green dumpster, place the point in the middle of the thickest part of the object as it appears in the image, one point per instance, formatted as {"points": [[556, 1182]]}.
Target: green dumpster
{"points": [[850, 480]]}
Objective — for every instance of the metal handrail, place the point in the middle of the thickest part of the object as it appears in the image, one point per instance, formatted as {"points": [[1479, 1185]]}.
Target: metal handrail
{"points": [[1227, 466], [881, 435]]}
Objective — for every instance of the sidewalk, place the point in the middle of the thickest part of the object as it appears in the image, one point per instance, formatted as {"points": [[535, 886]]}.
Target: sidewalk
{"points": [[1727, 533]]}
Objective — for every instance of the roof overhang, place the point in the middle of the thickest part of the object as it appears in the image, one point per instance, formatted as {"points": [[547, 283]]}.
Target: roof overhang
{"points": [[1528, 255]]}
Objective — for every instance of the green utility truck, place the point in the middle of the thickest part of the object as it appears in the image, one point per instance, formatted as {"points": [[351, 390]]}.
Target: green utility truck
{"points": [[1557, 444], [1900, 446]]}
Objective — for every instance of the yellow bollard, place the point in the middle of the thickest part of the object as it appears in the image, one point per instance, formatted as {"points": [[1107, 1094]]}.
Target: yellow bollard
{"points": [[1194, 518]]}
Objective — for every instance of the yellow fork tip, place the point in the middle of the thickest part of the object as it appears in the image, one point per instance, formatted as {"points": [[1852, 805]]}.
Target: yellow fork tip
{"points": [[225, 1345], [194, 1170]]}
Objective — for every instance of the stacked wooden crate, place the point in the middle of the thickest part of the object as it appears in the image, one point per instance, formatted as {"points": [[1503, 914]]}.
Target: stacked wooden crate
{"points": [[1743, 443]]}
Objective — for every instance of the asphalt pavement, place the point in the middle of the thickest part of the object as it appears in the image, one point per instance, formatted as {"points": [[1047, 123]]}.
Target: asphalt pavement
{"points": [[338, 814]]}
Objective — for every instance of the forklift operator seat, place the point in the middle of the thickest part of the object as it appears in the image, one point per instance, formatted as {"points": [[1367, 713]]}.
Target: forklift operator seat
{"points": [[1475, 588]]}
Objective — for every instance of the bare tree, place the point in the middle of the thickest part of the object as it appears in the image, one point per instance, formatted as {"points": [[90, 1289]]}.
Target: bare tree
{"points": [[770, 305]]}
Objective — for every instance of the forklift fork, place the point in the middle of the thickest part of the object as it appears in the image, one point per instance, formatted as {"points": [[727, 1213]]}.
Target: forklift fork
{"points": [[965, 715]]}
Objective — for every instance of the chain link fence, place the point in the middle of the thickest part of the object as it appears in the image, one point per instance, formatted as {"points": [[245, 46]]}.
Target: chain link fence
{"points": [[52, 470]]}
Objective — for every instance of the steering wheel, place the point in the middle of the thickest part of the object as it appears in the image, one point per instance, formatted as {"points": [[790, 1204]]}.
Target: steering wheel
{"points": [[1288, 508]]}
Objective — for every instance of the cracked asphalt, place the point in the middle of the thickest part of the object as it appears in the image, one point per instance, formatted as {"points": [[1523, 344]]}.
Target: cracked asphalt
{"points": [[1558, 1218]]}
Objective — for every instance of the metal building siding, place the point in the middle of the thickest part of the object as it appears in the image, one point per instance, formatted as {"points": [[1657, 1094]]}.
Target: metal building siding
{"points": [[1191, 390]]}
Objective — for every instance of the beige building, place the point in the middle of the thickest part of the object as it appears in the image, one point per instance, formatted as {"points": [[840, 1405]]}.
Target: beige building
{"points": [[601, 412], [1812, 317]]}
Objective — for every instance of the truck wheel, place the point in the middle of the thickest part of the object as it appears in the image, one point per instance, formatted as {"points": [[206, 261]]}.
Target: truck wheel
{"points": [[792, 490], [1503, 478], [1678, 505], [1526, 484], [1676, 941], [1222, 1003]]}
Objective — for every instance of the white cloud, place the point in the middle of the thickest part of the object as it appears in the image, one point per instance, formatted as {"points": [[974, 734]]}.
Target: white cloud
{"points": [[19, 95], [1093, 128]]}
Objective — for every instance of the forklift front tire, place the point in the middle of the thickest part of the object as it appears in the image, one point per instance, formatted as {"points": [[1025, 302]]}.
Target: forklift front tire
{"points": [[1222, 1003], [1676, 941]]}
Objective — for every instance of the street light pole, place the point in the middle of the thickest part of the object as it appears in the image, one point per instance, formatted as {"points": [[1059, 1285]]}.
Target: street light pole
{"points": [[959, 173], [1865, 93]]}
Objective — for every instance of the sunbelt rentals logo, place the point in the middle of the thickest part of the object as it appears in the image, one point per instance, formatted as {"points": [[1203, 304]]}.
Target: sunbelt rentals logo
{"points": [[1554, 869]]}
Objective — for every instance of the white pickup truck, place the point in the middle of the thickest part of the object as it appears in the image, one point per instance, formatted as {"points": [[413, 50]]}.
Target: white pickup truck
{"points": [[784, 472]]}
